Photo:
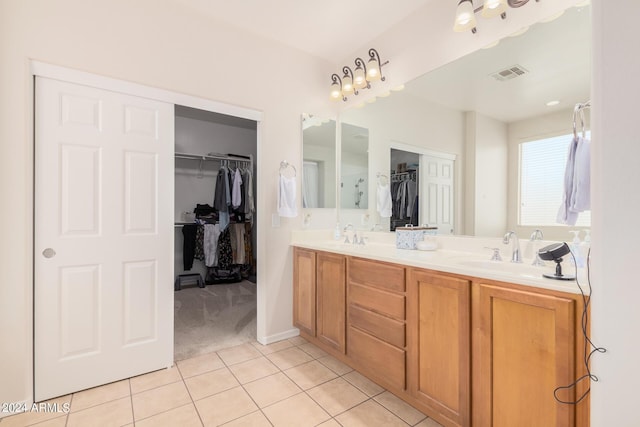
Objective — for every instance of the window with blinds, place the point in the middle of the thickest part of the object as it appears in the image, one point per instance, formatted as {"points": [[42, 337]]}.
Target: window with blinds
{"points": [[542, 166]]}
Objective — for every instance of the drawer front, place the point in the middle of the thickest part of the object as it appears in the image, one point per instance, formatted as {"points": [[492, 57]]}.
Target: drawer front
{"points": [[384, 328], [386, 303], [379, 359], [380, 275]]}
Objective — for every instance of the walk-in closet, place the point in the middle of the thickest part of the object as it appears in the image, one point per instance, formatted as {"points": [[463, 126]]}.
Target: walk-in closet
{"points": [[215, 231], [405, 168]]}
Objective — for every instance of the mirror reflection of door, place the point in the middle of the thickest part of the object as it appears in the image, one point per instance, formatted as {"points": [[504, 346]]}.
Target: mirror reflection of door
{"points": [[422, 190], [319, 162]]}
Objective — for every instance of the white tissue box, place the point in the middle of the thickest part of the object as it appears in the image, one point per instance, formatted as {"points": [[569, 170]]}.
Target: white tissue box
{"points": [[408, 237]]}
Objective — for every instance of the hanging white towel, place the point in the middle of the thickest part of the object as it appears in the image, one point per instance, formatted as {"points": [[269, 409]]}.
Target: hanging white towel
{"points": [[287, 197], [581, 194], [384, 203], [576, 197]]}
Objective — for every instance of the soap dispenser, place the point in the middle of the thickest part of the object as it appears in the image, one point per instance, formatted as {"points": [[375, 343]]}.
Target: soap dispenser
{"points": [[575, 248]]}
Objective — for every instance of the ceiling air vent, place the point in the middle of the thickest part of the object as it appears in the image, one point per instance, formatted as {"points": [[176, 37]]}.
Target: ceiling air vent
{"points": [[509, 73]]}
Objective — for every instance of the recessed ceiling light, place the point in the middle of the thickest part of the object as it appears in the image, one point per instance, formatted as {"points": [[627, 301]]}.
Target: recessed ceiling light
{"points": [[553, 103]]}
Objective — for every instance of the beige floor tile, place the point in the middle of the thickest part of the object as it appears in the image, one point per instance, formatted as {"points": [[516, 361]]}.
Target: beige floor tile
{"points": [[297, 411], [429, 423], [239, 354], [369, 414], [56, 422], [114, 413], [337, 396], [399, 407], [200, 364], [210, 383], [184, 416], [289, 358], [28, 418], [310, 374], [330, 423], [312, 350], [366, 385], [335, 365], [161, 399], [297, 341], [272, 348], [255, 419], [253, 369], [154, 379], [102, 394], [271, 389], [226, 406]]}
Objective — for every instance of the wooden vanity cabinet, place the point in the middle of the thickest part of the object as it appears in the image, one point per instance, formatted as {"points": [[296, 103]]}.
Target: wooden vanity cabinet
{"points": [[524, 347], [331, 300], [304, 290], [463, 350], [319, 296], [438, 350], [376, 335]]}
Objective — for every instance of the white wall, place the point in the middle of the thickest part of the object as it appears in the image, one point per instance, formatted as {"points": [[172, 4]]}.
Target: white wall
{"points": [[161, 45], [485, 209], [616, 203]]}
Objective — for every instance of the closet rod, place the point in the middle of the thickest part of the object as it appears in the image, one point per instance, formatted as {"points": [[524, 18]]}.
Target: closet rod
{"points": [[211, 157]]}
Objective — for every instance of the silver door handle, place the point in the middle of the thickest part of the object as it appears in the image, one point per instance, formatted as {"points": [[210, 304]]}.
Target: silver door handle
{"points": [[49, 253]]}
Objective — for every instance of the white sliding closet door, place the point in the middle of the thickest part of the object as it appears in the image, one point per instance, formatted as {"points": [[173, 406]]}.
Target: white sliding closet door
{"points": [[103, 237]]}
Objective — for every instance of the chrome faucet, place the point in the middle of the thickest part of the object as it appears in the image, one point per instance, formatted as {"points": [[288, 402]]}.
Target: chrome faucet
{"points": [[515, 245], [345, 229], [536, 235]]}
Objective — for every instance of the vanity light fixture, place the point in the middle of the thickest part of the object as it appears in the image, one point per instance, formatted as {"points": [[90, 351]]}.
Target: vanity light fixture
{"points": [[360, 78], [466, 14]]}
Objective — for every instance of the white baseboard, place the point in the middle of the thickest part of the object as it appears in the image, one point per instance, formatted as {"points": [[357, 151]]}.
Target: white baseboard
{"points": [[279, 337]]}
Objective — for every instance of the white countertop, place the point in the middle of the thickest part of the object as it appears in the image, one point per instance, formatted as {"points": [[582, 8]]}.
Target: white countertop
{"points": [[466, 256]]}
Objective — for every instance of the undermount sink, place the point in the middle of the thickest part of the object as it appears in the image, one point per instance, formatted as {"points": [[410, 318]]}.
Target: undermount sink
{"points": [[523, 269]]}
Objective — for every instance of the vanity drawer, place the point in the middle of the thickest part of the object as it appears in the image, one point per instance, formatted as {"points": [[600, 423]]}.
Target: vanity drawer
{"points": [[379, 359], [382, 302], [380, 275], [389, 330]]}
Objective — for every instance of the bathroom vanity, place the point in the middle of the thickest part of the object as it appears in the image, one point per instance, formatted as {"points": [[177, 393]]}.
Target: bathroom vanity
{"points": [[466, 341]]}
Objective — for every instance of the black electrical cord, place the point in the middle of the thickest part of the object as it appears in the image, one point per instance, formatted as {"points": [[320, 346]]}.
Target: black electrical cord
{"points": [[589, 347]]}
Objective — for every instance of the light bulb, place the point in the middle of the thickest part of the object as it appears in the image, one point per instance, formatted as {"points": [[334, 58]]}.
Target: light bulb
{"points": [[493, 8], [373, 70], [465, 16], [359, 79], [335, 92], [347, 86]]}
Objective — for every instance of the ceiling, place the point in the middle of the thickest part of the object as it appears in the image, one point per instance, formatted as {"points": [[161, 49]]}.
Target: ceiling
{"points": [[328, 29]]}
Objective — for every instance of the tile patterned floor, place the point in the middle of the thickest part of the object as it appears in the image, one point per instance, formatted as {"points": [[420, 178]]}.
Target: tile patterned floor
{"points": [[288, 383]]}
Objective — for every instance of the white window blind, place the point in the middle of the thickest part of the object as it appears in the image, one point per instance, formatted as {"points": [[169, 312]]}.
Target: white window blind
{"points": [[542, 166]]}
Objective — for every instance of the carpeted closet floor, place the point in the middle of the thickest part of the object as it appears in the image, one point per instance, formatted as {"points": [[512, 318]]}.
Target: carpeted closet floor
{"points": [[214, 317]]}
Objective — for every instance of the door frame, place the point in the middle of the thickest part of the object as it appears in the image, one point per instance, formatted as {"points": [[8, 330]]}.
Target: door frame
{"points": [[41, 69]]}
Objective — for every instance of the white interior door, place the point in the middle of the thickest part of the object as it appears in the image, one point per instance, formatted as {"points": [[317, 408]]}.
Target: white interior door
{"points": [[103, 237], [437, 180]]}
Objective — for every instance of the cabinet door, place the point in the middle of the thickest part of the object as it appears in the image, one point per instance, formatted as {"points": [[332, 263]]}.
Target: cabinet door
{"points": [[304, 290], [438, 350], [526, 349], [331, 300]]}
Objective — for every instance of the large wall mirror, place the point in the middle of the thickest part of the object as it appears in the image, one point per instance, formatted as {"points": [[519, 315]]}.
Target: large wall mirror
{"points": [[319, 162], [477, 110], [354, 167]]}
